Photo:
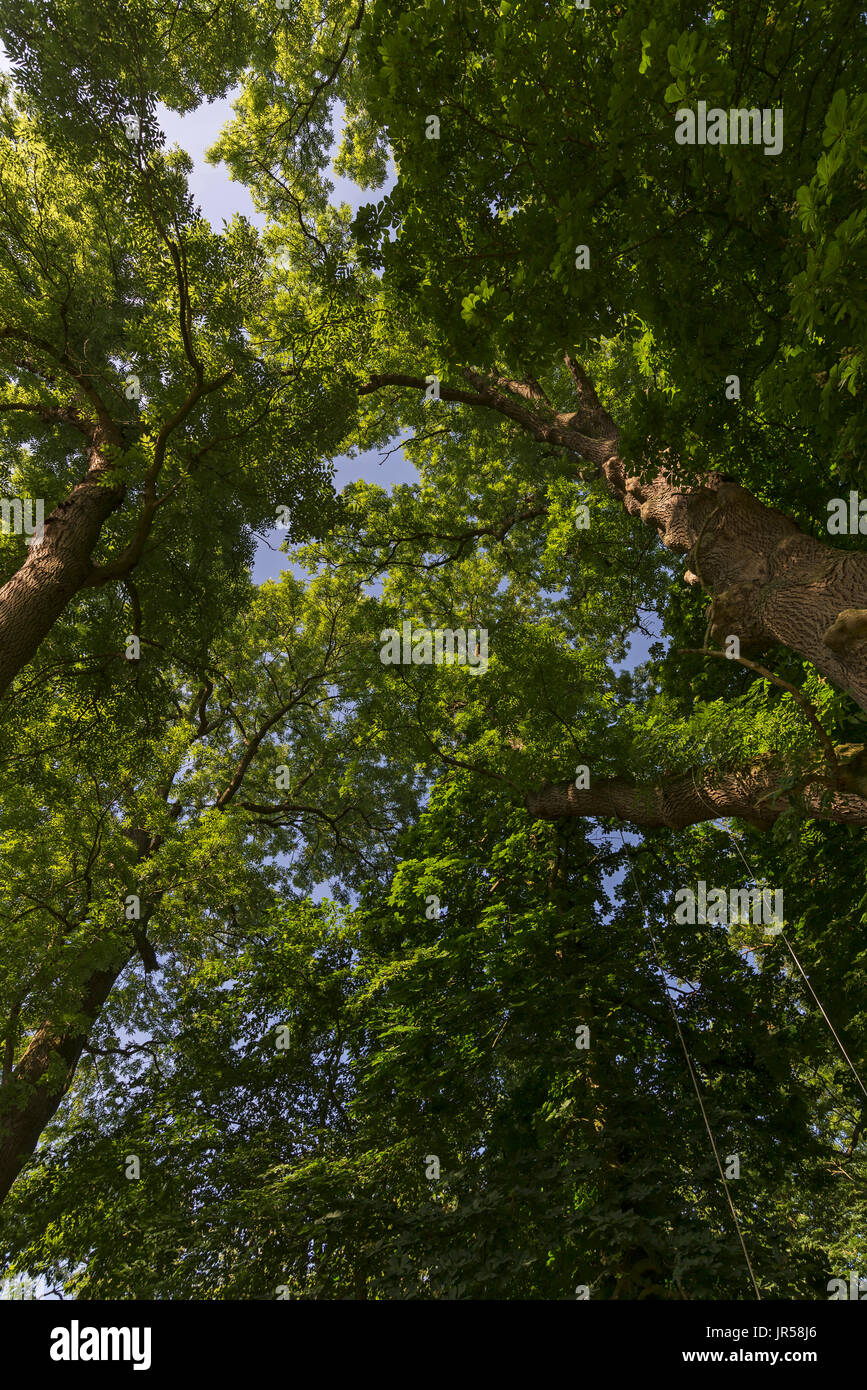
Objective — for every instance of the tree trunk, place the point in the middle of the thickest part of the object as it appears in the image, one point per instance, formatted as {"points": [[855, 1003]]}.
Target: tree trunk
{"points": [[55, 570], [769, 581], [33, 1103]]}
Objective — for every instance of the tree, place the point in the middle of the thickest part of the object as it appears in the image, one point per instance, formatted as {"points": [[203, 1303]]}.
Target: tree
{"points": [[146, 403], [271, 754], [697, 413], [486, 1100], [508, 309], [150, 410]]}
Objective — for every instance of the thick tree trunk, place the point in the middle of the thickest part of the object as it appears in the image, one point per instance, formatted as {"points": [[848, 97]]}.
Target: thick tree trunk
{"points": [[28, 1103], [748, 792], [769, 582], [55, 570]]}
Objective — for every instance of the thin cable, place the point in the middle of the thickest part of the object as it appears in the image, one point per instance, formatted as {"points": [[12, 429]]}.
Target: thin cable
{"points": [[692, 1074], [851, 1065], [789, 947]]}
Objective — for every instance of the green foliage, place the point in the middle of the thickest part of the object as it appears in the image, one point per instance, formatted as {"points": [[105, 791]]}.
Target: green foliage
{"points": [[368, 955]]}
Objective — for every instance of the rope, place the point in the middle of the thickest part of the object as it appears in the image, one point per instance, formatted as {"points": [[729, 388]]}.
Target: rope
{"points": [[692, 1073], [849, 1061]]}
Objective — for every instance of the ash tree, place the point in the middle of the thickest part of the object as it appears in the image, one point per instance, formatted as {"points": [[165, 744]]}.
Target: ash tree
{"points": [[618, 362], [168, 392], [146, 401], [679, 326]]}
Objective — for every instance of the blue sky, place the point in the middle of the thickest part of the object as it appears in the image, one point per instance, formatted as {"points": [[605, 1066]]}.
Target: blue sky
{"points": [[220, 197]]}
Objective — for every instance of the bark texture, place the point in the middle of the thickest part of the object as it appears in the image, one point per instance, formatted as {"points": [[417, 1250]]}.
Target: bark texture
{"points": [[767, 580], [751, 792], [44, 1074], [56, 569]]}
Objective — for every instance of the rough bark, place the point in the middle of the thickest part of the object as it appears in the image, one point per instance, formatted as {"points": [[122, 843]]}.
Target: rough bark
{"points": [[36, 1102], [768, 581], [56, 569], [750, 793]]}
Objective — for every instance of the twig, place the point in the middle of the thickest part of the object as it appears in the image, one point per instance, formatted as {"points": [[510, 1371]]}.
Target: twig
{"points": [[809, 711]]}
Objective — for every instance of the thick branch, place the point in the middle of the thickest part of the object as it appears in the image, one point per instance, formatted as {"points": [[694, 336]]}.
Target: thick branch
{"points": [[34, 597], [558, 429], [770, 583], [751, 793], [20, 1128]]}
